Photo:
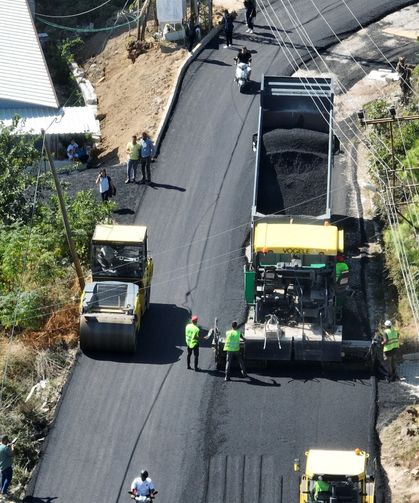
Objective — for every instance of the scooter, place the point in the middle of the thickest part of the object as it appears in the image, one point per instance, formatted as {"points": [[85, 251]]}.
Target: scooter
{"points": [[142, 499], [242, 75]]}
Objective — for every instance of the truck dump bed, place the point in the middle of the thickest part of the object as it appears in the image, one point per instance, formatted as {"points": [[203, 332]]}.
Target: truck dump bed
{"points": [[295, 142]]}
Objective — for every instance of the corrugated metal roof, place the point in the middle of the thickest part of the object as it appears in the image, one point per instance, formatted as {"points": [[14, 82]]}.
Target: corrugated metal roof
{"points": [[66, 120], [24, 75]]}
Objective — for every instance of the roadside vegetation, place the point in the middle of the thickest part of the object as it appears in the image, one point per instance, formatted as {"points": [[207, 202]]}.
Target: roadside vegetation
{"points": [[38, 292], [404, 189]]}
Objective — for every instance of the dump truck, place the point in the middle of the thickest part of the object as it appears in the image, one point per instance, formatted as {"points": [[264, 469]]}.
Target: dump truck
{"points": [[336, 476], [113, 304], [290, 286]]}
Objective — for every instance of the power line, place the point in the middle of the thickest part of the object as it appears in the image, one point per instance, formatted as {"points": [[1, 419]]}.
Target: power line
{"points": [[73, 15], [87, 30], [408, 279]]}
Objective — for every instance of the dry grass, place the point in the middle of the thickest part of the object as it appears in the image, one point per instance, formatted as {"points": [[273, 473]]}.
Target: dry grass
{"points": [[25, 360]]}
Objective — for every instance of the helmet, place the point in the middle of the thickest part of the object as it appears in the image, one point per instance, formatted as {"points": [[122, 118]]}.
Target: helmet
{"points": [[194, 318], [387, 323], [144, 474]]}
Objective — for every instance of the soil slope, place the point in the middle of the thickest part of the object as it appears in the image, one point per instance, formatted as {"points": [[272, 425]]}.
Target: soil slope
{"points": [[132, 96]]}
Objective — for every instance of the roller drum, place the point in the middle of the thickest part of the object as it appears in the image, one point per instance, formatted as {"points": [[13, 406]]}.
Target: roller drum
{"points": [[108, 332]]}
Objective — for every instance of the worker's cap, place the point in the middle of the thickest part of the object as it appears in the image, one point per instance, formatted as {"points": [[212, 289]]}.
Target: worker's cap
{"points": [[387, 323], [194, 317]]}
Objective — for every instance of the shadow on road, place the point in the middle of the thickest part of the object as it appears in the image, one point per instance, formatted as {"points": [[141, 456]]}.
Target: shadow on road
{"points": [[157, 186], [124, 211], [251, 87], [31, 499], [214, 62], [161, 333]]}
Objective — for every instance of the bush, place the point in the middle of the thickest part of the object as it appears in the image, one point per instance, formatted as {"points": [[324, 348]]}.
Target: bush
{"points": [[24, 309]]}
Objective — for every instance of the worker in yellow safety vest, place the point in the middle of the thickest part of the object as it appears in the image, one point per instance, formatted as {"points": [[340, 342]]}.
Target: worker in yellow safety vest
{"points": [[320, 486], [390, 349], [232, 348], [192, 336]]}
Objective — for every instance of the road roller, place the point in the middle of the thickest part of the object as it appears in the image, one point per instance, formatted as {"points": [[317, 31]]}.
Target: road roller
{"points": [[333, 476], [113, 304]]}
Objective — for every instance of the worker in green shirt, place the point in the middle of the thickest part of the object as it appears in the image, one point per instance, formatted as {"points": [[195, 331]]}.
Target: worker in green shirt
{"points": [[391, 346], [341, 266], [192, 336], [232, 348], [320, 486]]}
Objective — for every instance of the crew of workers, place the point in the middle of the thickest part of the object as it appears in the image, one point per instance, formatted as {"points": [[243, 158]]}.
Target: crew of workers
{"points": [[231, 346]]}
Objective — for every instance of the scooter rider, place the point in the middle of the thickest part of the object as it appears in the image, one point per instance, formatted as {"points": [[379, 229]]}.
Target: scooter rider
{"points": [[143, 487], [244, 56]]}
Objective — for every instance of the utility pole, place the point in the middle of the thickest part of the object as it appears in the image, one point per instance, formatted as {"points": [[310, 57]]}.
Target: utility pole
{"points": [[70, 241], [210, 13]]}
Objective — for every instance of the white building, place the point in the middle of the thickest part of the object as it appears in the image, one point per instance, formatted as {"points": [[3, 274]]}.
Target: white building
{"points": [[26, 88]]}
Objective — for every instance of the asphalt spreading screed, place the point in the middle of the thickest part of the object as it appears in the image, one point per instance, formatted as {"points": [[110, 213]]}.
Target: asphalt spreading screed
{"points": [[293, 177]]}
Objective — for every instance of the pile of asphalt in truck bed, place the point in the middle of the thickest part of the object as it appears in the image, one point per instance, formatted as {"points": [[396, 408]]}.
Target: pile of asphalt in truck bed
{"points": [[293, 172]]}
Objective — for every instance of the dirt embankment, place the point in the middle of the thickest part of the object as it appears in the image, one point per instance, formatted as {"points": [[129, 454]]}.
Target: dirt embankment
{"points": [[400, 455], [132, 96]]}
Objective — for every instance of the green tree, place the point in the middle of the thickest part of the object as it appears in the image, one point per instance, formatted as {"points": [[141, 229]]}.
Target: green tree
{"points": [[17, 154]]}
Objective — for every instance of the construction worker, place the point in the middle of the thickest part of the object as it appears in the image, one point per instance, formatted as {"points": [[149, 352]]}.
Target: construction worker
{"points": [[391, 345], [192, 341], [232, 348], [341, 266], [320, 486], [405, 72]]}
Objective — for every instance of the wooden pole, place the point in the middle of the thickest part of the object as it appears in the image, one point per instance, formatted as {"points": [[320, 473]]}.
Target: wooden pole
{"points": [[67, 228], [144, 22], [210, 13]]}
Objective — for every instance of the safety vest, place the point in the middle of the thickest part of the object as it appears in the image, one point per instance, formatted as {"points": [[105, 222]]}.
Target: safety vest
{"points": [[392, 339], [232, 342], [340, 268], [192, 335], [319, 487]]}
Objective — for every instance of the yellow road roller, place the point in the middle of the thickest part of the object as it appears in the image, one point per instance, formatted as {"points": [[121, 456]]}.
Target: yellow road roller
{"points": [[336, 476], [112, 305]]}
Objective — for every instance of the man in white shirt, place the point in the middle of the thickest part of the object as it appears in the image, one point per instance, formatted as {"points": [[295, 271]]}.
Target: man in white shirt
{"points": [[143, 486]]}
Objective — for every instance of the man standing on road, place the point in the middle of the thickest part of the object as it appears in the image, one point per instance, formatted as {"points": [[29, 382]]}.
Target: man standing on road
{"points": [[6, 462], [390, 349], [192, 336], [228, 28], [192, 341], [249, 5], [232, 348], [147, 151], [133, 151]]}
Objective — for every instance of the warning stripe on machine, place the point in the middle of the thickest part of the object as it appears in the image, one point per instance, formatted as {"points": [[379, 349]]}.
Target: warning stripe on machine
{"points": [[243, 479]]}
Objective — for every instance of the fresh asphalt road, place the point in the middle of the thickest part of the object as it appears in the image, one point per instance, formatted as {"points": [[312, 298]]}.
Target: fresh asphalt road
{"points": [[204, 440]]}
